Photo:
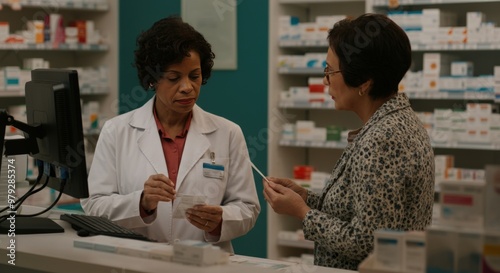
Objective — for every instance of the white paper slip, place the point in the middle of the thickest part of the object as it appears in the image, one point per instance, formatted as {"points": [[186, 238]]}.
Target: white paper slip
{"points": [[184, 202], [259, 172]]}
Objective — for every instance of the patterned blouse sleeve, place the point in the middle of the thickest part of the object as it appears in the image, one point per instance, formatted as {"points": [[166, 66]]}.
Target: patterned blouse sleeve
{"points": [[312, 199]]}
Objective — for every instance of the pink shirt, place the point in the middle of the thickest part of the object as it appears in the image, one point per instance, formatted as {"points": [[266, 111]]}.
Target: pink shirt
{"points": [[172, 147]]}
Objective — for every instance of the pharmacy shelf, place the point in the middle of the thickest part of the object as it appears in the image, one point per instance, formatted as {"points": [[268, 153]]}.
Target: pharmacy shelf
{"points": [[455, 47], [342, 145], [467, 146], [59, 4], [84, 90], [323, 44], [329, 105], [385, 3], [297, 243], [437, 183], [91, 90], [283, 155], [458, 95], [313, 144], [49, 46], [301, 71]]}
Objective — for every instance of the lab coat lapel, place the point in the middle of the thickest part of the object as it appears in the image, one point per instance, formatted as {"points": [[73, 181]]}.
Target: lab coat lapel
{"points": [[148, 139], [197, 143], [150, 145]]}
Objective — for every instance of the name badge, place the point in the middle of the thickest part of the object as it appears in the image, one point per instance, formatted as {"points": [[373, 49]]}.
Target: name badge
{"points": [[213, 170]]}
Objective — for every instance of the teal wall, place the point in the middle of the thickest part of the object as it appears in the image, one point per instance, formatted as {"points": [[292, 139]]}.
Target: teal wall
{"points": [[238, 95]]}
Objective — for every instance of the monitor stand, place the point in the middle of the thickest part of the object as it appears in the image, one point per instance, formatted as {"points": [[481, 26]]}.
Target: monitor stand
{"points": [[29, 225], [23, 225]]}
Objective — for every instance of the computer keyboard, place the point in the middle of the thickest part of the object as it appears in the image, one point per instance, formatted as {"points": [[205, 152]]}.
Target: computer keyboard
{"points": [[87, 225]]}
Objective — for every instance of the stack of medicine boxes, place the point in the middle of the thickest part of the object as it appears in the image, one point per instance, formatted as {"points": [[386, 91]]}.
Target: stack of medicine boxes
{"points": [[466, 240]]}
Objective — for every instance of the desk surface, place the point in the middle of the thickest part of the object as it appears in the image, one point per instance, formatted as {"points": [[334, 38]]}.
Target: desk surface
{"points": [[55, 253]]}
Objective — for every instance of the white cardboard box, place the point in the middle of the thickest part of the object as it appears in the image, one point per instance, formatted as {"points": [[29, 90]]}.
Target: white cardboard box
{"points": [[462, 203]]}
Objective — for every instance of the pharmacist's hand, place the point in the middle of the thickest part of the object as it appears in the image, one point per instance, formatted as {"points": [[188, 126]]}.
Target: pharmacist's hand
{"points": [[291, 185], [206, 217], [284, 200], [157, 188]]}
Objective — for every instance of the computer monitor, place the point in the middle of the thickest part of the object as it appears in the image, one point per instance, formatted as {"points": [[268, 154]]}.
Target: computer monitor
{"points": [[53, 101], [54, 135]]}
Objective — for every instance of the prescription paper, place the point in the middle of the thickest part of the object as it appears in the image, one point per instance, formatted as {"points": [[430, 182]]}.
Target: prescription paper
{"points": [[185, 202]]}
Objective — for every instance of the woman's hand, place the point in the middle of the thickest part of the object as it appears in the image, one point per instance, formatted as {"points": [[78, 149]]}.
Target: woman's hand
{"points": [[157, 188], [285, 200], [206, 217], [285, 182]]}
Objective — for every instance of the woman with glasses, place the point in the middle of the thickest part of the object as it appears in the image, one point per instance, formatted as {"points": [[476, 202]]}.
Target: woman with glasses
{"points": [[151, 159], [384, 179]]}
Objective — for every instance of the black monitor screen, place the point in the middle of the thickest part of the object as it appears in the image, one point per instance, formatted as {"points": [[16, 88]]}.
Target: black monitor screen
{"points": [[53, 101]]}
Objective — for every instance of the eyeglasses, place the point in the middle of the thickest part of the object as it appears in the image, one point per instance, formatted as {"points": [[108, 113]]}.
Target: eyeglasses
{"points": [[327, 72]]}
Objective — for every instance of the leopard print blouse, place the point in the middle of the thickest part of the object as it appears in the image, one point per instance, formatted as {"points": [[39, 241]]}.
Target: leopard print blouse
{"points": [[383, 179]]}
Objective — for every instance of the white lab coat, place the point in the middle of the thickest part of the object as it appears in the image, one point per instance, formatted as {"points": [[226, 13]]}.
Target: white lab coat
{"points": [[129, 151]]}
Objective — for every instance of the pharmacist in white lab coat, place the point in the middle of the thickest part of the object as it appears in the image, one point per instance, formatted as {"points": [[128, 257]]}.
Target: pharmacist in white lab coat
{"points": [[147, 159]]}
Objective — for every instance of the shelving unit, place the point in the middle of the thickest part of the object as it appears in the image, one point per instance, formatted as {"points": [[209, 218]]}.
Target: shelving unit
{"points": [[314, 144], [105, 15], [485, 56], [62, 4], [307, 105], [60, 47], [282, 154]]}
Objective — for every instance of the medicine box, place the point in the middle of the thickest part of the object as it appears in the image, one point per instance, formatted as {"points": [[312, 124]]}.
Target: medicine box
{"points": [[304, 130], [4, 31], [468, 252], [414, 252], [198, 253], [462, 69], [435, 18], [490, 261], [437, 64], [474, 19], [430, 83], [308, 31], [440, 252], [389, 249], [12, 76], [441, 163], [288, 27], [462, 203]]}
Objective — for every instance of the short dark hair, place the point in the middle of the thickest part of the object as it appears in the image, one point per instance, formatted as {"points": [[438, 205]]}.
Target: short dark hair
{"points": [[372, 47], [168, 42]]}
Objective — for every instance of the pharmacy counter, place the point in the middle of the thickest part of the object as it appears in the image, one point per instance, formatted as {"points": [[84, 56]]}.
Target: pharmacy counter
{"points": [[55, 253]]}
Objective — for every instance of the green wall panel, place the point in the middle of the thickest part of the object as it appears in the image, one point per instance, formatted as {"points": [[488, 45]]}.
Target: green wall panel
{"points": [[239, 95]]}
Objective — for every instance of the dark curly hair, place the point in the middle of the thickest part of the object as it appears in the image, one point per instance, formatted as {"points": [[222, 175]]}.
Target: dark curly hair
{"points": [[168, 42], [372, 47]]}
